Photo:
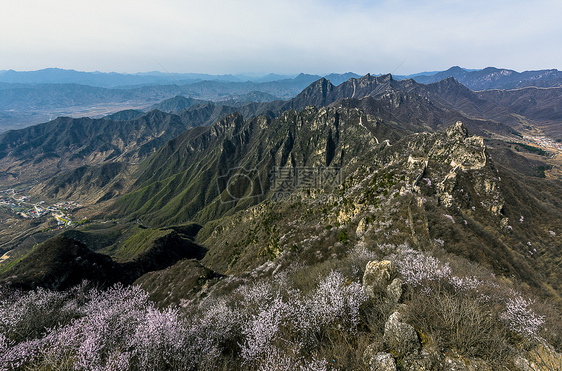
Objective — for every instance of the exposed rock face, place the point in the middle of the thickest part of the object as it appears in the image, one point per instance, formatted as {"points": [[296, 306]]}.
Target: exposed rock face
{"points": [[382, 362], [276, 148], [419, 362], [378, 275], [461, 153], [458, 166], [464, 364], [379, 280], [542, 357], [399, 336], [378, 361], [361, 227], [464, 151], [394, 290], [522, 364]]}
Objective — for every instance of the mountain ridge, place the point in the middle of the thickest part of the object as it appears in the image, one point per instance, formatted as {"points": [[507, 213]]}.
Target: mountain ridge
{"points": [[496, 78]]}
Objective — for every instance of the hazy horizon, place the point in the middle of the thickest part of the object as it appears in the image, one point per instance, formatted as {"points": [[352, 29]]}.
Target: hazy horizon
{"points": [[284, 37], [261, 75]]}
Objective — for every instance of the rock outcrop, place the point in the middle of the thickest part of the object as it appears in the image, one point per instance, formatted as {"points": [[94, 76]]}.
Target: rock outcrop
{"points": [[394, 291], [400, 337], [378, 361], [378, 275]]}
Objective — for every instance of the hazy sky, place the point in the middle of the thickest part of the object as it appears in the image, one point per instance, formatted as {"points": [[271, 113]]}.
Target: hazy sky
{"points": [[291, 36]]}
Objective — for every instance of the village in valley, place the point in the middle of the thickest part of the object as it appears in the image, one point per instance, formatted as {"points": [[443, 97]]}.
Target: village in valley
{"points": [[24, 207], [545, 142]]}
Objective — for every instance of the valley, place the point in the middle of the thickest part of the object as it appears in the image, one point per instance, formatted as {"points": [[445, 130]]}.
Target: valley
{"points": [[14, 120], [537, 146], [24, 218]]}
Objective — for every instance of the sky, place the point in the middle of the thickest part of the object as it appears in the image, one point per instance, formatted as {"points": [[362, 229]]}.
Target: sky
{"points": [[274, 36]]}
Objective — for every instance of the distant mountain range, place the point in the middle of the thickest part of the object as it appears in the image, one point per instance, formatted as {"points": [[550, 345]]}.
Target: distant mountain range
{"points": [[487, 78], [495, 78], [115, 80], [395, 108], [33, 97], [50, 150], [23, 104]]}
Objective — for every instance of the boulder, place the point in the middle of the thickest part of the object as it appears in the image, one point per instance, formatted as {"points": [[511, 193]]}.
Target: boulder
{"points": [[370, 352], [419, 362], [378, 361], [378, 275], [394, 291], [400, 337], [465, 364], [541, 357], [361, 227]]}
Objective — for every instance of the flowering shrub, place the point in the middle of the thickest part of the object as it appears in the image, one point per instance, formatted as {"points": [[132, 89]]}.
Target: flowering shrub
{"points": [[160, 340], [3, 343], [262, 325], [263, 328], [280, 360], [115, 329], [465, 283], [283, 360], [298, 322], [256, 294], [520, 317], [259, 324], [24, 316], [334, 299], [358, 257], [110, 318], [416, 267], [454, 297]]}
